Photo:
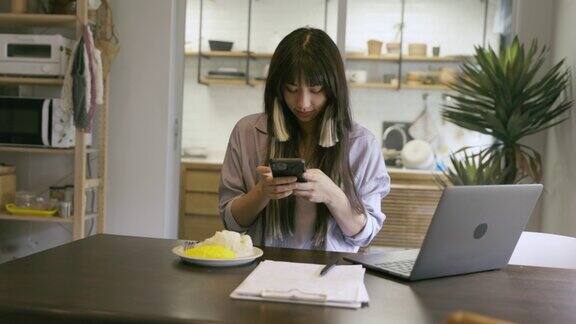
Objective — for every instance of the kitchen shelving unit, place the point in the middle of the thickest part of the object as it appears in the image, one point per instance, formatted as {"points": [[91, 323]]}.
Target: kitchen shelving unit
{"points": [[399, 59], [352, 57], [80, 152]]}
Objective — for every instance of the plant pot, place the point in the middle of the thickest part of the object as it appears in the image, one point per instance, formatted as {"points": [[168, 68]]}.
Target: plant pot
{"points": [[19, 6]]}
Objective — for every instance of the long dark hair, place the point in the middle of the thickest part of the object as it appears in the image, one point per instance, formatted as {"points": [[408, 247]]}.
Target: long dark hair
{"points": [[309, 54]]}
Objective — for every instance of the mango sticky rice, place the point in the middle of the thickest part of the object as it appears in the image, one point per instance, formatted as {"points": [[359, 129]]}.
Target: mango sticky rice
{"points": [[223, 245]]}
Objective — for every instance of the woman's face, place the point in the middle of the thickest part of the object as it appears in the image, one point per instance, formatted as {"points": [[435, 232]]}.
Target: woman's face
{"points": [[305, 101]]}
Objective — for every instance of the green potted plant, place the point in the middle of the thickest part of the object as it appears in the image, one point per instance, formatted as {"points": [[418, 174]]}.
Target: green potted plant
{"points": [[509, 97]]}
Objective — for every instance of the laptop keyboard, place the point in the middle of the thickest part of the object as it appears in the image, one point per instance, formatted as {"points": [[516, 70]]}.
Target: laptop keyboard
{"points": [[403, 267]]}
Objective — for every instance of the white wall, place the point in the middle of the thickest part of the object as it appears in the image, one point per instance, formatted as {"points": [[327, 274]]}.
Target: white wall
{"points": [[145, 105], [535, 20], [559, 214]]}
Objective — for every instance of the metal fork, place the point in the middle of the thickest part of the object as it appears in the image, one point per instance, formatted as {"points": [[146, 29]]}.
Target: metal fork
{"points": [[188, 244]]}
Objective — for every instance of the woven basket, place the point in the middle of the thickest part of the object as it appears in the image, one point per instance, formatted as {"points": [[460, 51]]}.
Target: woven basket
{"points": [[374, 47]]}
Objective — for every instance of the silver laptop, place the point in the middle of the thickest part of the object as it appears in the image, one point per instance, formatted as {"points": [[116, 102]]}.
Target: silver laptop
{"points": [[474, 228]]}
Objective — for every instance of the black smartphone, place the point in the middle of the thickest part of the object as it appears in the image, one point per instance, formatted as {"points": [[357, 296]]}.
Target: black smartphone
{"points": [[288, 167]]}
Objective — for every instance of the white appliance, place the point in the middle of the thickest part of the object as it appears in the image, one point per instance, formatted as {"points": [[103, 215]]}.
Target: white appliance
{"points": [[37, 122], [34, 55]]}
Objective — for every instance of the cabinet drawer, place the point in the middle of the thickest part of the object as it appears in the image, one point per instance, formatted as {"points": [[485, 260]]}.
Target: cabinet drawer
{"points": [[201, 203], [202, 181], [200, 227]]}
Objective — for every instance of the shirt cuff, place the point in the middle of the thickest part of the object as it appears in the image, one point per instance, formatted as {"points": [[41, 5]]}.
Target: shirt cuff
{"points": [[365, 235], [230, 222]]}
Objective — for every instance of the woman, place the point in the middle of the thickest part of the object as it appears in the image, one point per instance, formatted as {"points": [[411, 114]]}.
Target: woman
{"points": [[306, 115]]}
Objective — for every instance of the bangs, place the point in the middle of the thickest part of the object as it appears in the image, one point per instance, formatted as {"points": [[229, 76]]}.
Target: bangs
{"points": [[303, 67]]}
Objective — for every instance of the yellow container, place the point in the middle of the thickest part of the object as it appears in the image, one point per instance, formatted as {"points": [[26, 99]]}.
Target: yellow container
{"points": [[14, 210]]}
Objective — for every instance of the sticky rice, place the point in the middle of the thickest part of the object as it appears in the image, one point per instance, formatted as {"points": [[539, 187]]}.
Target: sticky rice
{"points": [[240, 244]]}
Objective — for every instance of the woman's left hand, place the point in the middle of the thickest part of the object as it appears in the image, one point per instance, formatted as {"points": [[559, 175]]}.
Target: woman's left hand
{"points": [[319, 188]]}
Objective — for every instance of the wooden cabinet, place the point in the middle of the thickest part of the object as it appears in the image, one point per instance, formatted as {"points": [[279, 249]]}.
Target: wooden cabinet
{"points": [[199, 201], [409, 206]]}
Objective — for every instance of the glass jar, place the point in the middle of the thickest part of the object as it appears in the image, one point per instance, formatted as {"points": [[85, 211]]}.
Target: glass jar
{"points": [[24, 199]]}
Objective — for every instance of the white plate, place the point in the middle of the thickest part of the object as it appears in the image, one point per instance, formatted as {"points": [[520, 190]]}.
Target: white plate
{"points": [[256, 253]]}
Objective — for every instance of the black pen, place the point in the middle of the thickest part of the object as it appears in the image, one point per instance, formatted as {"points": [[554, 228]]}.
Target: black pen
{"points": [[329, 266]]}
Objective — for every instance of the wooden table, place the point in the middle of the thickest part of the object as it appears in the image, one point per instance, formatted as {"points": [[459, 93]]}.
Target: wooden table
{"points": [[131, 279]]}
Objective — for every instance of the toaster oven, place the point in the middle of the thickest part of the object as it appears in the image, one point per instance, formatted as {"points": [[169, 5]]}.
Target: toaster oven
{"points": [[34, 55]]}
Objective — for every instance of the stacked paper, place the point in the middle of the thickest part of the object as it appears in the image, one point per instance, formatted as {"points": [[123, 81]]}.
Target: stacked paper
{"points": [[342, 286]]}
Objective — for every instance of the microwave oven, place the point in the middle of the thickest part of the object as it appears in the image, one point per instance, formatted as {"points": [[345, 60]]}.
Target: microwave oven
{"points": [[34, 55], [37, 122]]}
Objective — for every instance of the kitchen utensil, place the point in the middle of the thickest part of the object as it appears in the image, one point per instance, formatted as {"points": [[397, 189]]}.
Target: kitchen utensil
{"points": [[374, 47], [358, 76], [216, 45], [447, 75], [414, 78], [392, 144], [393, 48], [417, 154], [417, 49], [387, 78]]}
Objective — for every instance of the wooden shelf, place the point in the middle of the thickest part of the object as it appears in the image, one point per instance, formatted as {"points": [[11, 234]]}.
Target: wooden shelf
{"points": [[257, 81], [40, 150], [51, 219], [349, 56], [40, 20], [366, 57], [231, 81], [425, 87], [14, 80], [372, 85], [261, 55], [220, 54], [353, 57], [431, 59]]}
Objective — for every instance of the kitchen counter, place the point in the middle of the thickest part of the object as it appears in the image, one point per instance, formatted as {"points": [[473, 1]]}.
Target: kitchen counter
{"points": [[397, 175]]}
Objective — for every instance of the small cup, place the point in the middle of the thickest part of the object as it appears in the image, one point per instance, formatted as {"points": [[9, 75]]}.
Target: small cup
{"points": [[436, 51], [65, 210]]}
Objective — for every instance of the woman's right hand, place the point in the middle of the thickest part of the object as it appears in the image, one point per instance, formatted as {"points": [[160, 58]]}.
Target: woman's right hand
{"points": [[275, 188]]}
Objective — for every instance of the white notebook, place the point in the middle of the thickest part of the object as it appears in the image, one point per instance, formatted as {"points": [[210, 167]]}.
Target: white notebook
{"points": [[342, 286]]}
